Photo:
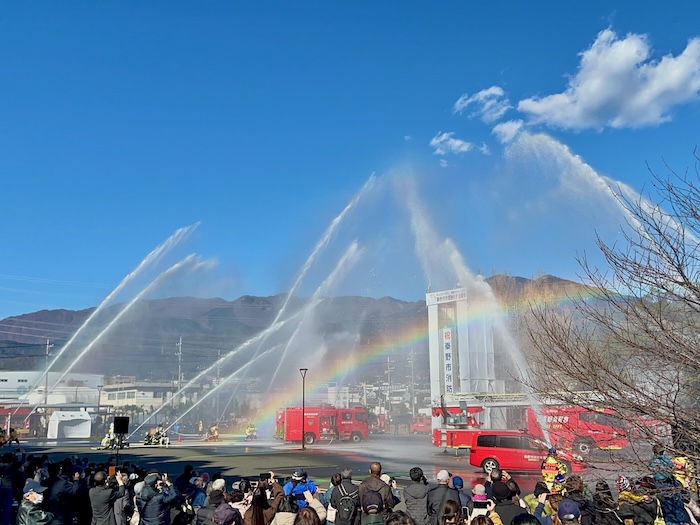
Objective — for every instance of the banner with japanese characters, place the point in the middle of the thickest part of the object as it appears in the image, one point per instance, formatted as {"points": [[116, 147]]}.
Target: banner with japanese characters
{"points": [[448, 360]]}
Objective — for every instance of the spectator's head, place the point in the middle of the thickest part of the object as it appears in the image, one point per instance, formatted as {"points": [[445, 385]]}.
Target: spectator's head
{"points": [[659, 449], [574, 485], [152, 479], [479, 492], [623, 483], [386, 478], [443, 477], [375, 469], [451, 511], [236, 496], [218, 484], [245, 486], [188, 470], [540, 488], [524, 519], [307, 516], [346, 473], [500, 491], [481, 520], [495, 474], [457, 482], [299, 475], [416, 474], [399, 517], [54, 469], [288, 504], [568, 511], [100, 478], [336, 479], [33, 491], [216, 497]]}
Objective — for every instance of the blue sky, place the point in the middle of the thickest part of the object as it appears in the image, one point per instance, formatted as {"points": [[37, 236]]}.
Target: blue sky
{"points": [[121, 122]]}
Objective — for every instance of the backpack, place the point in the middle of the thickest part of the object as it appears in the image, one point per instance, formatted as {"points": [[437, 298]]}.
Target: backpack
{"points": [[347, 507], [372, 500]]}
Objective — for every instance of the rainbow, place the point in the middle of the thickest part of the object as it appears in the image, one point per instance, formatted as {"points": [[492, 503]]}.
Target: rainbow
{"points": [[337, 370]]}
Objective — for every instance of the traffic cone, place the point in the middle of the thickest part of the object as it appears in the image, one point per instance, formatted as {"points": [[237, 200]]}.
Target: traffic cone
{"points": [[179, 438]]}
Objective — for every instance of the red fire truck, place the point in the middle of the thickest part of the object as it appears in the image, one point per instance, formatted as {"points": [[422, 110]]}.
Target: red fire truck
{"points": [[420, 424], [325, 423], [579, 429], [568, 428]]}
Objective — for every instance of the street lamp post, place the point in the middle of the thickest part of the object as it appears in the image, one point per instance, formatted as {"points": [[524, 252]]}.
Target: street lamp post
{"points": [[303, 371], [99, 397]]}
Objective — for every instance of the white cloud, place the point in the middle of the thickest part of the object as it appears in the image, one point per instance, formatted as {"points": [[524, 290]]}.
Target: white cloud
{"points": [[619, 85], [444, 143], [443, 163], [407, 138], [484, 149], [489, 104], [507, 131]]}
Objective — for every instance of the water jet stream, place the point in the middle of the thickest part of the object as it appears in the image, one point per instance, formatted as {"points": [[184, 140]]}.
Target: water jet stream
{"points": [[153, 285], [152, 257]]}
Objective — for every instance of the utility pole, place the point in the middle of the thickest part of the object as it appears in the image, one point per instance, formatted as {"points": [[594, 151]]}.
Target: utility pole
{"points": [[179, 365], [218, 378], [413, 387], [46, 376]]}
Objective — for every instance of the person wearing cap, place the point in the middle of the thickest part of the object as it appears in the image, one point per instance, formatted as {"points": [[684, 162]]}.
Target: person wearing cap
{"points": [[30, 511], [437, 497], [196, 492], [103, 496], [299, 484], [61, 492], [575, 489], [386, 478], [154, 500], [503, 498], [416, 496], [568, 511]]}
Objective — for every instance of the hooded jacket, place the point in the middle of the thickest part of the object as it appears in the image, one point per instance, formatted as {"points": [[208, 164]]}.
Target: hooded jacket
{"points": [[415, 497], [154, 505], [376, 484], [437, 496]]}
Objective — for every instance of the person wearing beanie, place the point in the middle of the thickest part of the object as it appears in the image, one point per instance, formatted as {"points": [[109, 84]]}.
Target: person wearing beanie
{"points": [[415, 496], [625, 492], [464, 498], [503, 498], [437, 497]]}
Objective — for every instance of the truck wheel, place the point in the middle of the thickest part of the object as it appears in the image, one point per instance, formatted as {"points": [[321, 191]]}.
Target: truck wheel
{"points": [[489, 464], [309, 439], [415, 432], [356, 437], [582, 446]]}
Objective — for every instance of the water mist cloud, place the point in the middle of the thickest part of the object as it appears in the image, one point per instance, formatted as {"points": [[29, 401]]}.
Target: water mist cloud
{"points": [[619, 85]]}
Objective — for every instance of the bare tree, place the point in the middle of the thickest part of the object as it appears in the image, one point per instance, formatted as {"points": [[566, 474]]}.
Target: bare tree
{"points": [[632, 342]]}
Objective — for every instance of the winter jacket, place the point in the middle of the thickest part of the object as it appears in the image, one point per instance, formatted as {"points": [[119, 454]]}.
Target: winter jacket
{"points": [[205, 515], [673, 497], [154, 506], [507, 510], [283, 518], [352, 490], [376, 484], [437, 496], [643, 513], [416, 498], [57, 497], [102, 500], [540, 514], [269, 513], [297, 489], [30, 514], [585, 506]]}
